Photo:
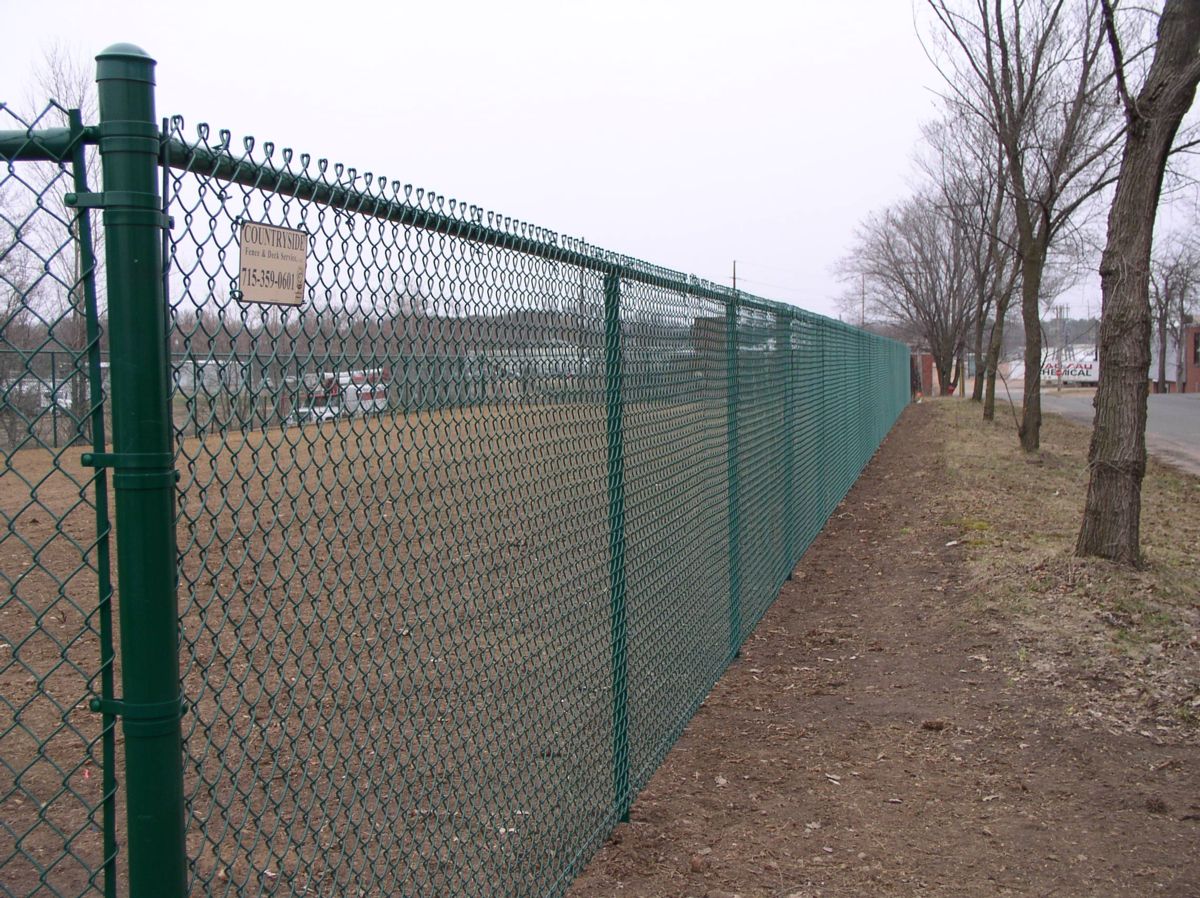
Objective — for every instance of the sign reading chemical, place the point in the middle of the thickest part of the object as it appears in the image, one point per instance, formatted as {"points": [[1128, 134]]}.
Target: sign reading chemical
{"points": [[271, 264], [1081, 371]]}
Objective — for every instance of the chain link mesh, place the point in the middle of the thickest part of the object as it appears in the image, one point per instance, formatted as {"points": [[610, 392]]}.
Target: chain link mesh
{"points": [[463, 540], [437, 639], [57, 787]]}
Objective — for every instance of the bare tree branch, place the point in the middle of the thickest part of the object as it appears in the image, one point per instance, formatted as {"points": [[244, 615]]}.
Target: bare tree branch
{"points": [[1114, 42]]}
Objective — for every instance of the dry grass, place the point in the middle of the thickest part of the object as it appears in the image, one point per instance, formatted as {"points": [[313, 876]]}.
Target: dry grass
{"points": [[1125, 642]]}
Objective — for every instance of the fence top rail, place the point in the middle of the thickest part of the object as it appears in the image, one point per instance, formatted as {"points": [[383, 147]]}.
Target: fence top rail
{"points": [[343, 187], [45, 145], [34, 143]]}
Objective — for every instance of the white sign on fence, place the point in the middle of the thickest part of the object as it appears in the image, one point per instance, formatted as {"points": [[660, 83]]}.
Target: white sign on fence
{"points": [[271, 264]]}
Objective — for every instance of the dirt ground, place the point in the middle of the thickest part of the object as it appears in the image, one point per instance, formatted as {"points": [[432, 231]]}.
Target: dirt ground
{"points": [[942, 701], [896, 727], [373, 615]]}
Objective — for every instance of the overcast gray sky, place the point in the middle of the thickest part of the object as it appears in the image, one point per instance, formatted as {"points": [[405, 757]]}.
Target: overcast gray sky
{"points": [[686, 134]]}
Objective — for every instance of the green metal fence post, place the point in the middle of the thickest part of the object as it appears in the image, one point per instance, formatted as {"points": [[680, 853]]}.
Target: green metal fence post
{"points": [[143, 473], [823, 452], [783, 338], [93, 427], [731, 468], [616, 541]]}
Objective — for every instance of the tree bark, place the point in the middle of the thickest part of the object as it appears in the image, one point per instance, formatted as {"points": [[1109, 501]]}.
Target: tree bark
{"points": [[1117, 455], [944, 368], [995, 347], [977, 388], [1031, 288], [993, 365]]}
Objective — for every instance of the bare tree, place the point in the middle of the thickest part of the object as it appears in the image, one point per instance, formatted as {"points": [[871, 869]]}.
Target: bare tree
{"points": [[1174, 279], [1036, 74], [1117, 456], [46, 315], [913, 266], [968, 171], [20, 329], [64, 82], [1185, 314]]}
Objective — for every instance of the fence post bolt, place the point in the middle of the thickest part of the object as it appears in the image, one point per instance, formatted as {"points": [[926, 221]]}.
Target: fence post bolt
{"points": [[145, 492], [616, 541]]}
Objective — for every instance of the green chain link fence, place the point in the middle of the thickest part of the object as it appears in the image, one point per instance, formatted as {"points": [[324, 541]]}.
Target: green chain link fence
{"points": [[440, 561]]}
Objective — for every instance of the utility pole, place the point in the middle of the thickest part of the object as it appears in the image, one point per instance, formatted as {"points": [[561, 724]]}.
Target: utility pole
{"points": [[862, 315], [1060, 312], [735, 274]]}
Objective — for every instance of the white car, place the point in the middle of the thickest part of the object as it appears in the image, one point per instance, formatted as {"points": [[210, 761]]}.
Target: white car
{"points": [[306, 414]]}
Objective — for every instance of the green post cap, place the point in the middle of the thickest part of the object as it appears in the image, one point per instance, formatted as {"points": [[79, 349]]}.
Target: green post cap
{"points": [[125, 61]]}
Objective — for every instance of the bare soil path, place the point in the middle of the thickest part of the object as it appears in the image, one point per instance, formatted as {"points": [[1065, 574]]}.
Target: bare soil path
{"points": [[877, 737]]}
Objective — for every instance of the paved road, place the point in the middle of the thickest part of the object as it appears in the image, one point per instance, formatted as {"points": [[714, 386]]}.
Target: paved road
{"points": [[1172, 422]]}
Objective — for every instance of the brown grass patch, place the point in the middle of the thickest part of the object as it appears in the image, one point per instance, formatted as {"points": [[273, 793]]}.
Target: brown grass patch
{"points": [[1126, 641]]}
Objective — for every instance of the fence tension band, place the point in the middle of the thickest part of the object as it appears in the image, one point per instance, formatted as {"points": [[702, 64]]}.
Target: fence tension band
{"points": [[149, 711], [146, 464], [123, 199], [141, 460]]}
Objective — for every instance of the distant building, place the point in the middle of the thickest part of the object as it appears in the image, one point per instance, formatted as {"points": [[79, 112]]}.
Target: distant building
{"points": [[924, 374], [1190, 344]]}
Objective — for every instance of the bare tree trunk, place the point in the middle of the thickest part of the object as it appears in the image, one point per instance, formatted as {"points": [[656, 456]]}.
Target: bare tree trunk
{"points": [[989, 396], [1180, 368], [996, 346], [1117, 456], [945, 369], [1162, 353], [977, 388], [1031, 286], [993, 365]]}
